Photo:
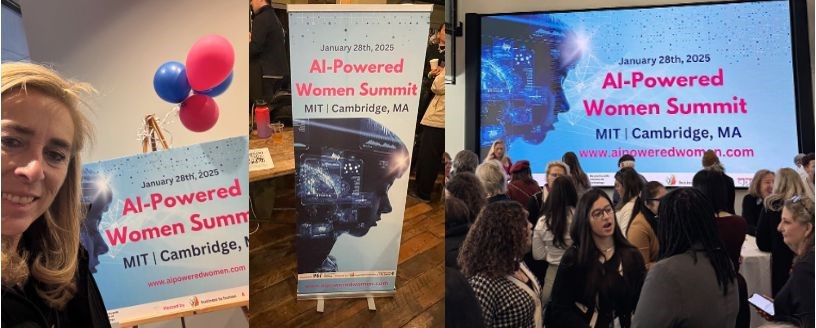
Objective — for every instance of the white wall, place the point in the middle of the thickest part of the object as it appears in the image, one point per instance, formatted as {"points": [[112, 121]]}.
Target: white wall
{"points": [[117, 47], [455, 94]]}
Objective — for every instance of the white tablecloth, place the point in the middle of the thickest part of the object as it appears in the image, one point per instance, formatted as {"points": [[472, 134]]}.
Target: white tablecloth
{"points": [[756, 269]]}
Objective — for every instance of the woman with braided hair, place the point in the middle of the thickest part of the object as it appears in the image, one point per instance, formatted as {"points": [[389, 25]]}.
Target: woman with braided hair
{"points": [[694, 283]]}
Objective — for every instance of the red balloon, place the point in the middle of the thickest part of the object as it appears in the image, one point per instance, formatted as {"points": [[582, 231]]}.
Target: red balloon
{"points": [[198, 113], [209, 62]]}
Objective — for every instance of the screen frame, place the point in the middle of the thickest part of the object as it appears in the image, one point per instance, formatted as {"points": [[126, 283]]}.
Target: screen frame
{"points": [[800, 52]]}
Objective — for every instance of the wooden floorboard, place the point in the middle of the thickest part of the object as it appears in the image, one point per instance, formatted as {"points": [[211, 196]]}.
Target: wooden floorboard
{"points": [[419, 301]]}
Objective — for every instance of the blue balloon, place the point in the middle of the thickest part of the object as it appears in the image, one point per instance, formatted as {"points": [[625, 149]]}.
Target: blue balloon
{"points": [[170, 82], [218, 89]]}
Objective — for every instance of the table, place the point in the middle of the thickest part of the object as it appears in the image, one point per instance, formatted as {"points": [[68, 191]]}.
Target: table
{"points": [[756, 269], [283, 155]]}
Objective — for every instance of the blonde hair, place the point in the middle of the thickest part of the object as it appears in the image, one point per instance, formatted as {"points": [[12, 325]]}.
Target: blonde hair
{"points": [[801, 207], [558, 163], [491, 174], [493, 148], [754, 189], [53, 238], [787, 183]]}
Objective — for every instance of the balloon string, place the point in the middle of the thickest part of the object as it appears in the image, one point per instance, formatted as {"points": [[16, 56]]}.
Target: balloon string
{"points": [[169, 118]]}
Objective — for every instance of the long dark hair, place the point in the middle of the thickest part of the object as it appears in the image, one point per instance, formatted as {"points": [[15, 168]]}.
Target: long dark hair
{"points": [[630, 180], [496, 242], [712, 184], [647, 195], [687, 218], [577, 173], [587, 252], [561, 200]]}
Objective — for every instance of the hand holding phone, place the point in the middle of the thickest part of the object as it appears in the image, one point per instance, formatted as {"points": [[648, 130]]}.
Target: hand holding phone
{"points": [[764, 306]]}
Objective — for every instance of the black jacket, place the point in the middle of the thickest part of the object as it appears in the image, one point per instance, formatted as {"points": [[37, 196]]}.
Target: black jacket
{"points": [[23, 308], [751, 209], [794, 303], [768, 239], [454, 238], [268, 45], [616, 295]]}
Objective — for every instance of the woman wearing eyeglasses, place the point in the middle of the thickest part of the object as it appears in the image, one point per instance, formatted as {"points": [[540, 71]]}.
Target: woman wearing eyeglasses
{"points": [[600, 275], [694, 283], [642, 230], [794, 302]]}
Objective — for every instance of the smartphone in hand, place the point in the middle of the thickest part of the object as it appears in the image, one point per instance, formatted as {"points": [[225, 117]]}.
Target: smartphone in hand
{"points": [[762, 303]]}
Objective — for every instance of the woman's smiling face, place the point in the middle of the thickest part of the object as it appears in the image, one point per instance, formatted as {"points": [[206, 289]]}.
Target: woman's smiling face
{"points": [[37, 131]]}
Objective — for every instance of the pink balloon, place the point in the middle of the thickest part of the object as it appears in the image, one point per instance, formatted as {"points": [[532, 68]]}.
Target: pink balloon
{"points": [[198, 113], [209, 62]]}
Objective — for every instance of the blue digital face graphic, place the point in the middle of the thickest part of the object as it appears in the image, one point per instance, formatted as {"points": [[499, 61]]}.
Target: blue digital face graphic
{"points": [[97, 197], [524, 63], [345, 169]]}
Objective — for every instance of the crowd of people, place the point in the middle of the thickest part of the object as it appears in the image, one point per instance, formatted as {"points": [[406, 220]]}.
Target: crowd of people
{"points": [[567, 254]]}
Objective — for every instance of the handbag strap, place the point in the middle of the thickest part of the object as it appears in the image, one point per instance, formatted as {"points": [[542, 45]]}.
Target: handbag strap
{"points": [[534, 292]]}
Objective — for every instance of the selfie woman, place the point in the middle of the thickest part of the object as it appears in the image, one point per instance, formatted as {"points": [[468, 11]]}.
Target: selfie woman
{"points": [[794, 302], [45, 277]]}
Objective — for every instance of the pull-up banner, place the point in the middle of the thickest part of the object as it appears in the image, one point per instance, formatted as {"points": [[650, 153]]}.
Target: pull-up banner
{"points": [[166, 232], [356, 79]]}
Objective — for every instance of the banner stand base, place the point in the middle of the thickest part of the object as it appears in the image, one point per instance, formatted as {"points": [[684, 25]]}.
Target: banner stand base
{"points": [[371, 306], [322, 297], [321, 304]]}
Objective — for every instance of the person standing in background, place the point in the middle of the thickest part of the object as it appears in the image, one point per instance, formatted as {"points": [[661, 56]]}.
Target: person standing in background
{"points": [[522, 186], [628, 185], [267, 48], [498, 151], [577, 173], [807, 164], [643, 230], [752, 203], [435, 50], [624, 162], [712, 162], [432, 139]]}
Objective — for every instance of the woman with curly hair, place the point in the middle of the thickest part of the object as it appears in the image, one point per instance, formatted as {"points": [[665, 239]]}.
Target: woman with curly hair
{"points": [[601, 274], [46, 280], [467, 187], [507, 292]]}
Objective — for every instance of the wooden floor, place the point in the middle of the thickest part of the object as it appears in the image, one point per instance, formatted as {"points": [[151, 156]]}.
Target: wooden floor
{"points": [[419, 301]]}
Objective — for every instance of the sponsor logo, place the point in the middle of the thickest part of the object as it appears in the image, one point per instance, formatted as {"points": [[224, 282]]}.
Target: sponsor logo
{"points": [[194, 301], [671, 180]]}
